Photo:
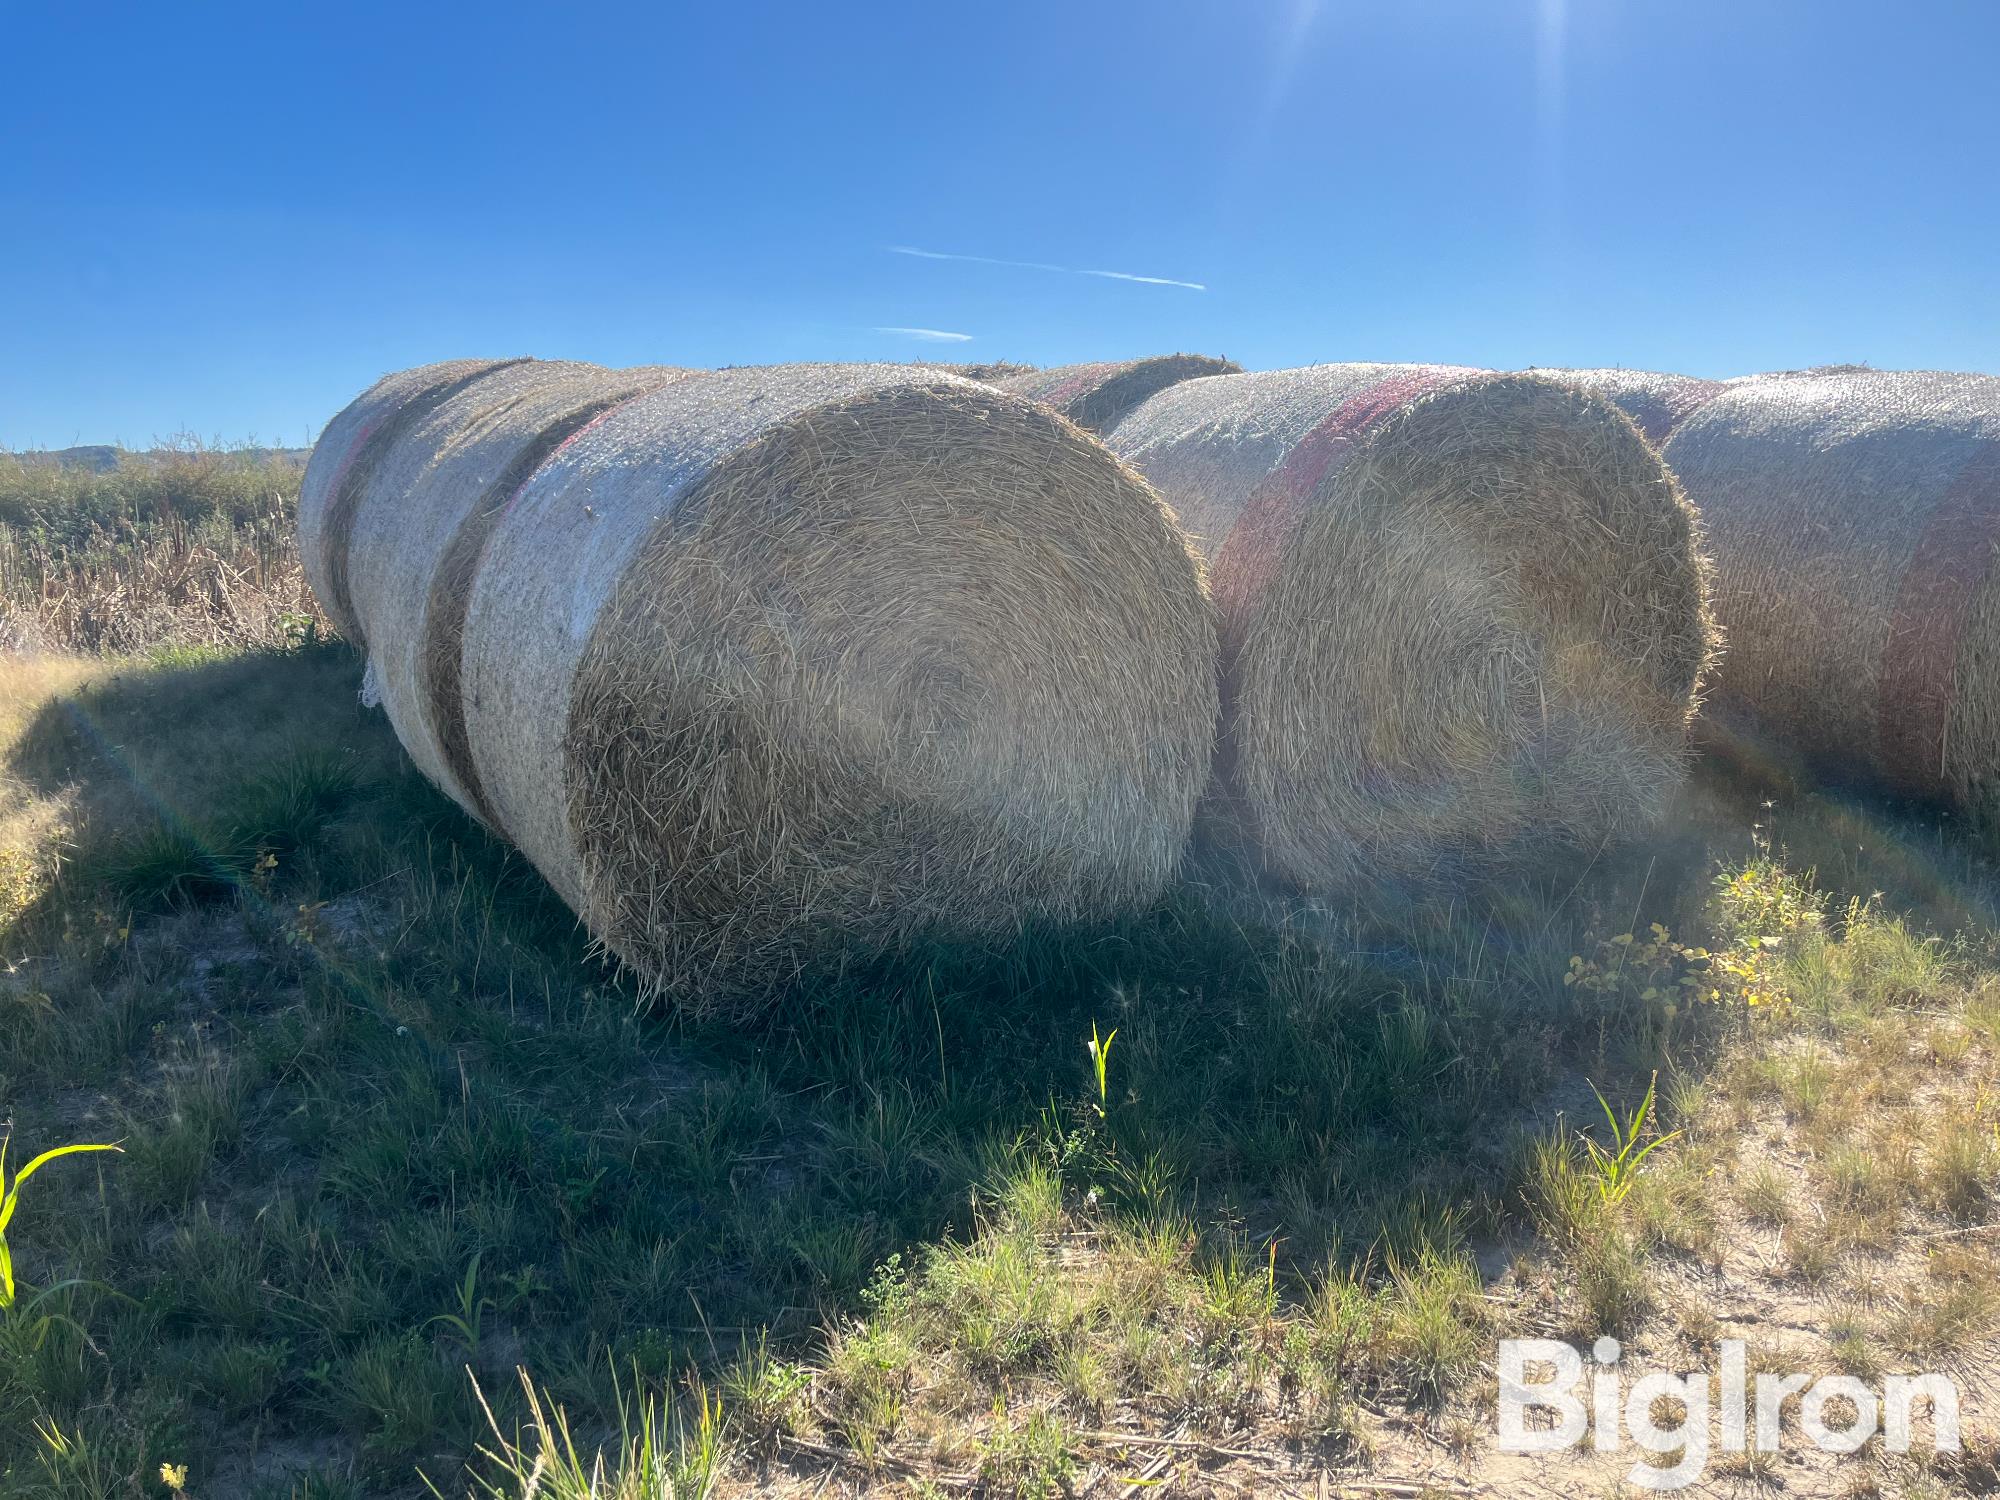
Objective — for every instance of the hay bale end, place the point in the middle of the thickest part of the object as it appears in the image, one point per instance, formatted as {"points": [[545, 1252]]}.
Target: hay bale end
{"points": [[1463, 615]]}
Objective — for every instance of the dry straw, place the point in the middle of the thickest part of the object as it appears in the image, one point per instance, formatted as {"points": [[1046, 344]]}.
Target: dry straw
{"points": [[1098, 396], [1462, 614], [420, 524], [778, 660], [1853, 516], [344, 459]]}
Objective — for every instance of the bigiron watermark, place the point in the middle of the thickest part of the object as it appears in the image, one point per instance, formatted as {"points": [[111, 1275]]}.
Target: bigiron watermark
{"points": [[1664, 1414]]}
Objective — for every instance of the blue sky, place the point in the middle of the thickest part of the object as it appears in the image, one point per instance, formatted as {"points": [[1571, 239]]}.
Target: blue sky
{"points": [[228, 219]]}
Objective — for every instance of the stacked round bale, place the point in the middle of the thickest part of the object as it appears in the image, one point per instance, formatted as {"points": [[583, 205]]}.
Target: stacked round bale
{"points": [[1463, 614], [337, 474], [768, 662], [1657, 403], [1847, 369], [1098, 396], [420, 524], [1854, 516]]}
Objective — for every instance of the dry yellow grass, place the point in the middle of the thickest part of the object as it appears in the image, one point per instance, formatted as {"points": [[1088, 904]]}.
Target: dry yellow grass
{"points": [[30, 818], [215, 584], [99, 752], [28, 682]]}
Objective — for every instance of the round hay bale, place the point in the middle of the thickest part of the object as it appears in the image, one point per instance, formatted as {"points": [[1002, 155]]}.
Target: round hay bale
{"points": [[1462, 614], [784, 659], [345, 456], [1098, 396], [1853, 517], [1656, 402], [429, 504], [1808, 372]]}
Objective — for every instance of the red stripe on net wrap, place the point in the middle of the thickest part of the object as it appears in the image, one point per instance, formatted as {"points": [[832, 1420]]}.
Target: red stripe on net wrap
{"points": [[1080, 382], [1250, 554], [348, 456], [556, 452], [1934, 603]]}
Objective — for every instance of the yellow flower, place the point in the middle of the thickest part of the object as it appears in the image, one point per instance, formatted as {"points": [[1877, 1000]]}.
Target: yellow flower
{"points": [[174, 1477]]}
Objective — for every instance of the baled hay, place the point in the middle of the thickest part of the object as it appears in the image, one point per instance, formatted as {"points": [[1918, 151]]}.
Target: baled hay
{"points": [[1462, 614], [1808, 371], [429, 503], [990, 372], [337, 474], [1853, 517], [1657, 403], [779, 660], [1098, 396]]}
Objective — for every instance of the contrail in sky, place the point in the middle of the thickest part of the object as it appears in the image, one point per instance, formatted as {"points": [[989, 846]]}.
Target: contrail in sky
{"points": [[930, 335], [1040, 265]]}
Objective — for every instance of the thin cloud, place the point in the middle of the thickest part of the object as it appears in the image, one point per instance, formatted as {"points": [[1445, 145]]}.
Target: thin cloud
{"points": [[1041, 265], [930, 335]]}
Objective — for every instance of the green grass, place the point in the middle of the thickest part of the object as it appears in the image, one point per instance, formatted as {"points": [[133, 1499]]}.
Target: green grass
{"points": [[269, 817], [658, 1454], [385, 1119]]}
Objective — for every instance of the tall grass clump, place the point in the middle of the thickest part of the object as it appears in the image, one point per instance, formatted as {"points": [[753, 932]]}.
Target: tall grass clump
{"points": [[189, 544], [661, 1453]]}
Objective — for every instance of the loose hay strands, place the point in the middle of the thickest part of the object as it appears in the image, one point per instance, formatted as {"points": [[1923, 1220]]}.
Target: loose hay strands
{"points": [[1853, 515], [430, 501], [343, 460], [1657, 403], [1463, 615], [1098, 396], [778, 660]]}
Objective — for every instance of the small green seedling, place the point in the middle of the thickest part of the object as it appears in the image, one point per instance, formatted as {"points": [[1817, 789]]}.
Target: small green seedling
{"points": [[1100, 1058], [471, 1315], [10, 1199], [1617, 1170]]}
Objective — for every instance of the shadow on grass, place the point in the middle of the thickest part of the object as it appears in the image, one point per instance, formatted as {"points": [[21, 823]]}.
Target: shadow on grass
{"points": [[403, 1070], [175, 738]]}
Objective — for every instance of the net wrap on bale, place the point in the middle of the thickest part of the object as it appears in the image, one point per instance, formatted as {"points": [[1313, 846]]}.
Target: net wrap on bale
{"points": [[1854, 516], [1098, 396], [343, 462], [1657, 403], [777, 659], [1463, 615], [420, 526]]}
